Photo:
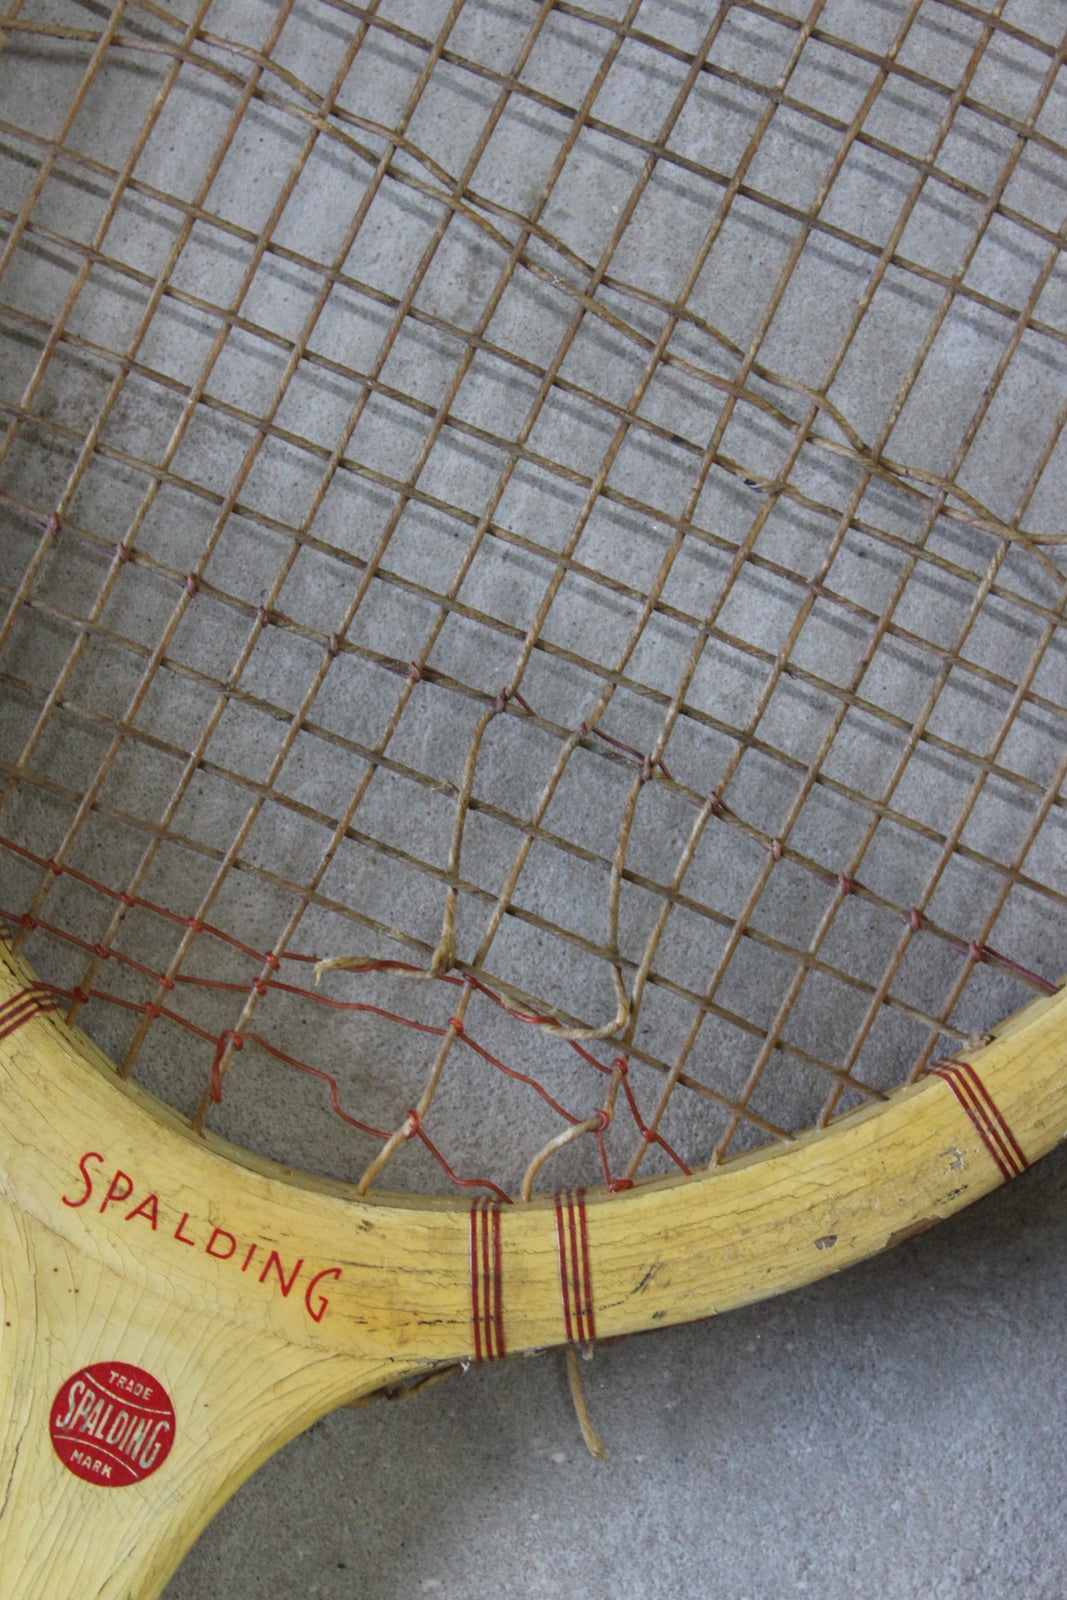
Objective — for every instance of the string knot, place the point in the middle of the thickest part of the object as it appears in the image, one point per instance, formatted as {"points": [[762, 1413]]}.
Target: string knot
{"points": [[227, 1036]]}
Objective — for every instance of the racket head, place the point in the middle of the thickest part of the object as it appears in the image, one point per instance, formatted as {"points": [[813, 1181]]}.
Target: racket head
{"points": [[827, 854], [931, 533]]}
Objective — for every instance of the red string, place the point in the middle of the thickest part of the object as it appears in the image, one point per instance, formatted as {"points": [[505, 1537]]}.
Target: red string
{"points": [[230, 1040]]}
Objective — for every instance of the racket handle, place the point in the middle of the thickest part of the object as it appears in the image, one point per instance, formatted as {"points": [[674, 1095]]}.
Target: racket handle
{"points": [[168, 1318]]}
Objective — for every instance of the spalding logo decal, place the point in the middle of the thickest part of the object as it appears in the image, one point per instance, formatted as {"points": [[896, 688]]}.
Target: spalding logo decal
{"points": [[112, 1424]]}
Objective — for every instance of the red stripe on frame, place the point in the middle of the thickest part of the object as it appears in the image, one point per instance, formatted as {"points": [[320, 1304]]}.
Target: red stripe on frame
{"points": [[498, 1281], [564, 1269], [24, 1005], [993, 1112], [985, 1116], [979, 1120], [575, 1272], [487, 1298], [969, 1094], [476, 1281]]}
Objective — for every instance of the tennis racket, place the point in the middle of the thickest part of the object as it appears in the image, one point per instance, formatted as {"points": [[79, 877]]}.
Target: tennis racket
{"points": [[534, 696]]}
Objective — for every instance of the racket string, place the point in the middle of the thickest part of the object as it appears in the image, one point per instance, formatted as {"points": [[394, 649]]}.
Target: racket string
{"points": [[594, 294]]}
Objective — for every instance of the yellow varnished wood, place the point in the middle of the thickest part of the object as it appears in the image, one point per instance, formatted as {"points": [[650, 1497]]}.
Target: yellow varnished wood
{"points": [[116, 1226]]}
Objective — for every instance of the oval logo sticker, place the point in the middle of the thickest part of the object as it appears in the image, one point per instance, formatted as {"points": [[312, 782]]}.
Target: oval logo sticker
{"points": [[112, 1424]]}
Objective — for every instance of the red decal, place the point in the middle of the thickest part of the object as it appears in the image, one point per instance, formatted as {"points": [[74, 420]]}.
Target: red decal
{"points": [[487, 1298], [984, 1113], [112, 1424], [575, 1276], [24, 1005], [90, 1155], [223, 1254]]}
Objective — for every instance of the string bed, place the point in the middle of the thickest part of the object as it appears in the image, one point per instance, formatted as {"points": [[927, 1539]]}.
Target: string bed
{"points": [[556, 515]]}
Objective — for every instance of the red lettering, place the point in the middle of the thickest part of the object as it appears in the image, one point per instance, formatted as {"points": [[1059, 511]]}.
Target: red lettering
{"points": [[116, 1191], [178, 1234], [222, 1246], [90, 1155], [317, 1312], [273, 1260], [149, 1208], [221, 1255]]}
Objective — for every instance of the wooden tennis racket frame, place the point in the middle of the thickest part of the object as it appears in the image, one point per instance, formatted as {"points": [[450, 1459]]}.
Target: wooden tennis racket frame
{"points": [[116, 1227]]}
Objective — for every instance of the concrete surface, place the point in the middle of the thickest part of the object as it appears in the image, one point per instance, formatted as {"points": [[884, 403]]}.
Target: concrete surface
{"points": [[895, 1433]]}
